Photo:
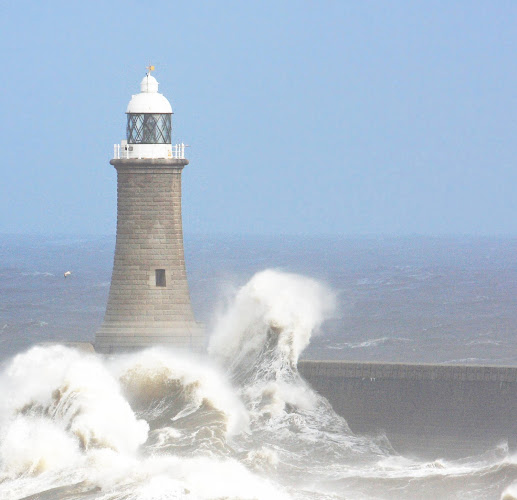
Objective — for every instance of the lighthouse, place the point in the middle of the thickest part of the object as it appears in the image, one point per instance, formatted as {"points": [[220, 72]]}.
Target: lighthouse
{"points": [[149, 302]]}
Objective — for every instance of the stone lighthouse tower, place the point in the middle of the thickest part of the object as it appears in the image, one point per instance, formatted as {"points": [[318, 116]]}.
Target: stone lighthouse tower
{"points": [[149, 301]]}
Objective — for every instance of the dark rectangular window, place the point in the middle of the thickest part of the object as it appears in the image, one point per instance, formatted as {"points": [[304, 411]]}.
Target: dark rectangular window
{"points": [[160, 277]]}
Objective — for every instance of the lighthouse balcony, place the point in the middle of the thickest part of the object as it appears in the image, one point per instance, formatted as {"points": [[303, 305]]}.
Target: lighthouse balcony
{"points": [[130, 151]]}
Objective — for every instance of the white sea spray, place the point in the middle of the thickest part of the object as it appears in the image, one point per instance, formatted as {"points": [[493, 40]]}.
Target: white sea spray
{"points": [[156, 370], [160, 424], [275, 300]]}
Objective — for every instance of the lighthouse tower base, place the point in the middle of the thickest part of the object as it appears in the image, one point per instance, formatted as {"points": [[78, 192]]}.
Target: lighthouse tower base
{"points": [[130, 338]]}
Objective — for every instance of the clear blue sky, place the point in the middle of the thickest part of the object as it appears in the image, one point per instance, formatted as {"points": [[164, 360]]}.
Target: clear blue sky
{"points": [[328, 117]]}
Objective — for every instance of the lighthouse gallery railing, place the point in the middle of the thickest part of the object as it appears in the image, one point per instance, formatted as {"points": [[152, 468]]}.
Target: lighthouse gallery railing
{"points": [[178, 151]]}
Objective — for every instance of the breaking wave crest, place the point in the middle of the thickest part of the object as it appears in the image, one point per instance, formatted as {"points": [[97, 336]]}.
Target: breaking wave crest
{"points": [[259, 340], [272, 307], [238, 424]]}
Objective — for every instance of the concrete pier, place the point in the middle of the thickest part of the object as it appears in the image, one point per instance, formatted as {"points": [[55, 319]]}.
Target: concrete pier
{"points": [[432, 411]]}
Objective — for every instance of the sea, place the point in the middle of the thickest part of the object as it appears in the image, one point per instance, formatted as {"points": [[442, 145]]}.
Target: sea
{"points": [[239, 422]]}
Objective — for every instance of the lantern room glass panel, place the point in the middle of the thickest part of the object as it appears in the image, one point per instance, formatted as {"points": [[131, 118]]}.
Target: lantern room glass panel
{"points": [[148, 128]]}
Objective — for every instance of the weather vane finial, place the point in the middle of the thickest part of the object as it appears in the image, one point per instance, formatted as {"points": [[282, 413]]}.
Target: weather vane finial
{"points": [[149, 69]]}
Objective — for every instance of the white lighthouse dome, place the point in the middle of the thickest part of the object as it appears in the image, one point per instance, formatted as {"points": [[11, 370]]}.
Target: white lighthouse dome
{"points": [[149, 100], [149, 84]]}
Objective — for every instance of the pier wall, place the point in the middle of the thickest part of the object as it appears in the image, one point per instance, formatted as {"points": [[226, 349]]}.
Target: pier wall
{"points": [[431, 411]]}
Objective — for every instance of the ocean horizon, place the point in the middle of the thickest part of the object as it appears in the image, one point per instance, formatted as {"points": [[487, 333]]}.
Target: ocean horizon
{"points": [[403, 299]]}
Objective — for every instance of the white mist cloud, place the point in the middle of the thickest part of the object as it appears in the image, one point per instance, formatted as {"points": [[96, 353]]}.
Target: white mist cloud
{"points": [[293, 305]]}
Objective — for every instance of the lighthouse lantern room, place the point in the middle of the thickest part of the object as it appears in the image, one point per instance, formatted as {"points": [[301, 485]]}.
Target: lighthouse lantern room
{"points": [[149, 125]]}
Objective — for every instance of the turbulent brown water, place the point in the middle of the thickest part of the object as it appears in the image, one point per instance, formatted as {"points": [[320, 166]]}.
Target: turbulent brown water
{"points": [[238, 423]]}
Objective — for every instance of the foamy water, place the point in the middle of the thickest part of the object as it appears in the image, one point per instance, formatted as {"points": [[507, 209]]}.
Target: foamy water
{"points": [[239, 423]]}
